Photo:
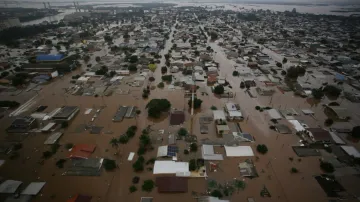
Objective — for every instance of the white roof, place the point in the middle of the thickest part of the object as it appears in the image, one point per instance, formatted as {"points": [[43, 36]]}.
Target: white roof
{"points": [[87, 111], [170, 167], [239, 151], [115, 78], [89, 74], [38, 115], [83, 78], [9, 186], [235, 114], [207, 152], [33, 188], [199, 77], [214, 199], [230, 106], [53, 138], [48, 126], [352, 151], [219, 114], [336, 138], [307, 111], [131, 156], [297, 125], [274, 114], [162, 151]]}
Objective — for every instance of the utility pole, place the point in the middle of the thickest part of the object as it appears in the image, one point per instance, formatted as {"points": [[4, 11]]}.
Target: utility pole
{"points": [[192, 103], [44, 5], [76, 10], [49, 7], [78, 6]]}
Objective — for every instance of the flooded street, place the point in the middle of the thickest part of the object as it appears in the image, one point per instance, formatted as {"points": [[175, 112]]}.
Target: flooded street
{"points": [[128, 57]]}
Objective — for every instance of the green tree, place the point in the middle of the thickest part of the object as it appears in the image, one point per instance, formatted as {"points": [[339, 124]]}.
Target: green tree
{"points": [[132, 189], [145, 140], [261, 148], [97, 59], [156, 106], [167, 78], [219, 89], [193, 147], [161, 85], [182, 132], [124, 139], [148, 185], [109, 164], [284, 61], [132, 68], [86, 58], [197, 103], [114, 143], [138, 166], [294, 170], [192, 165], [163, 69], [278, 64], [216, 193], [133, 59], [332, 91], [213, 108], [317, 93], [235, 73], [213, 36]]}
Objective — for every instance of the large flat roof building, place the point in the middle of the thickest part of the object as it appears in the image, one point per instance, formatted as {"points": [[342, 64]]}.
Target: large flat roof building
{"points": [[66, 113]]}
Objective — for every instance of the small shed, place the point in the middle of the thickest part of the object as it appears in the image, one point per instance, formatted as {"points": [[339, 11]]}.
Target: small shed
{"points": [[274, 114], [222, 129], [219, 115]]}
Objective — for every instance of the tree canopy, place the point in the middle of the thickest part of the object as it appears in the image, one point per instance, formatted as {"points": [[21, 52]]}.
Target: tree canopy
{"points": [[157, 106], [261, 148], [197, 103], [332, 91], [133, 59], [213, 35], [295, 72], [219, 89], [317, 93]]}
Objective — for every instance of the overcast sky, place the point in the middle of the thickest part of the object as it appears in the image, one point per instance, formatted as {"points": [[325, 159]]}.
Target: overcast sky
{"points": [[238, 1]]}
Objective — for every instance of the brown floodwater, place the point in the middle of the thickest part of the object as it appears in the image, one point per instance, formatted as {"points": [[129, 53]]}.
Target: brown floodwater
{"points": [[273, 168]]}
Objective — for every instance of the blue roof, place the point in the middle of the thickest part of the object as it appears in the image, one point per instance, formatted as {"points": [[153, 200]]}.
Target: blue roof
{"points": [[49, 57], [339, 77]]}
